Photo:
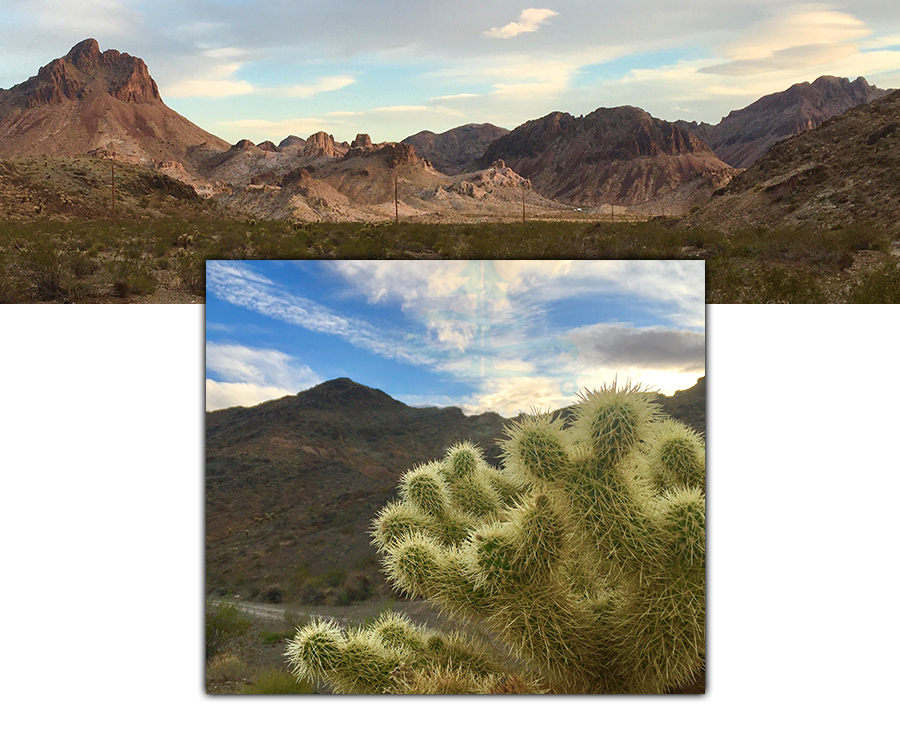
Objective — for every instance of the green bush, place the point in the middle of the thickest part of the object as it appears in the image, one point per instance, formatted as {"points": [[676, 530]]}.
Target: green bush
{"points": [[225, 623], [881, 285], [278, 682]]}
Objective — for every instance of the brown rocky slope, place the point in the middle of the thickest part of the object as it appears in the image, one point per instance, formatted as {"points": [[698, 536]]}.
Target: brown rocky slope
{"points": [[843, 172], [456, 150], [105, 103], [618, 156], [746, 134]]}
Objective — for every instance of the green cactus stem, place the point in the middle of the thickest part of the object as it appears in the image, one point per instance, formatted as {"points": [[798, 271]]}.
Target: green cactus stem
{"points": [[584, 556]]}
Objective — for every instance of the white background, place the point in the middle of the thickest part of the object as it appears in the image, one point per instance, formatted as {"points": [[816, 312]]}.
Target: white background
{"points": [[102, 541]]}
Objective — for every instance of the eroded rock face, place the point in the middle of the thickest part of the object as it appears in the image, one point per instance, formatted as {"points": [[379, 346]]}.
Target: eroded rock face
{"points": [[620, 155], [321, 143], [456, 150], [362, 142], [743, 136], [842, 173], [85, 70], [91, 101]]}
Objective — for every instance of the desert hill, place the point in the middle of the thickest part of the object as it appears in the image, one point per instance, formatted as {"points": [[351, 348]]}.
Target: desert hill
{"points": [[455, 151], [745, 134], [292, 485], [101, 103], [843, 172], [620, 156]]}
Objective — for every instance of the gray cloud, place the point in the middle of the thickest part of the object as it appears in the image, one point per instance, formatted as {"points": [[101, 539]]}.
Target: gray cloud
{"points": [[619, 345]]}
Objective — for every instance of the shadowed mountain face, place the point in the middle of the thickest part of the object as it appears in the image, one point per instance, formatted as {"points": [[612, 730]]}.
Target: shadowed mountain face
{"points": [[843, 172], [456, 150], [292, 485], [620, 155], [746, 134], [105, 103]]}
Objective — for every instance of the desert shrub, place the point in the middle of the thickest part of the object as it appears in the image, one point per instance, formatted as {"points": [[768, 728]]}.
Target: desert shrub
{"points": [[191, 270], [226, 667], [880, 285], [225, 623], [278, 682]]}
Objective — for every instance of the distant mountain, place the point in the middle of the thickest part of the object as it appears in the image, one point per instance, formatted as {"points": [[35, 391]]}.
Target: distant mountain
{"points": [[842, 172], [101, 103], [611, 156], [745, 134], [292, 485], [456, 150]]}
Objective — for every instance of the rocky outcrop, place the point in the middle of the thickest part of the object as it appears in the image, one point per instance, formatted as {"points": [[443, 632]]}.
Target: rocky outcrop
{"points": [[746, 134], [362, 143], [105, 102], [611, 156], [84, 70], [842, 173], [456, 150], [321, 143]]}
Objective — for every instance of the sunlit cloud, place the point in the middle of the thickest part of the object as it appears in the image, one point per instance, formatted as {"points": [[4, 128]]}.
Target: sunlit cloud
{"points": [[220, 395], [248, 376], [792, 38], [325, 84], [213, 76], [529, 21]]}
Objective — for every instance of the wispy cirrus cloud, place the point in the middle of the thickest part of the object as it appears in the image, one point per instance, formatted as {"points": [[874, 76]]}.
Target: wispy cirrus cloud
{"points": [[529, 21], [239, 285]]}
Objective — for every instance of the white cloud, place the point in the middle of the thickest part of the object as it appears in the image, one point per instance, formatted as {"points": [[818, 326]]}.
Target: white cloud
{"points": [[325, 84], [793, 27], [212, 75], [268, 367], [252, 129], [220, 395], [529, 21], [248, 376], [86, 18]]}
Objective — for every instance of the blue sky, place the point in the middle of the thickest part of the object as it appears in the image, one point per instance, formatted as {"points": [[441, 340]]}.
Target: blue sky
{"points": [[500, 336], [391, 68]]}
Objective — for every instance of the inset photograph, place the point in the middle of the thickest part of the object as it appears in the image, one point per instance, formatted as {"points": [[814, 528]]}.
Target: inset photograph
{"points": [[455, 477]]}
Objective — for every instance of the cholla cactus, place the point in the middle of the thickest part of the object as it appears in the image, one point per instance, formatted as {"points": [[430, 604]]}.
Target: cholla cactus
{"points": [[585, 555]]}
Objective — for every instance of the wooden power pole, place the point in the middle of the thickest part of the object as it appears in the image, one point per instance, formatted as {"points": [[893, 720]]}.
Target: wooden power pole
{"points": [[396, 201], [114, 192]]}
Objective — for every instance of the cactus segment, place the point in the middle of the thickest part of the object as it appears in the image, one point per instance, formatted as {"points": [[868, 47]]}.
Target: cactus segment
{"points": [[584, 555]]}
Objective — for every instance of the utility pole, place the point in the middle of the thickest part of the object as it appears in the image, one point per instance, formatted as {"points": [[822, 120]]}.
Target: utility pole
{"points": [[114, 192], [523, 202], [396, 200]]}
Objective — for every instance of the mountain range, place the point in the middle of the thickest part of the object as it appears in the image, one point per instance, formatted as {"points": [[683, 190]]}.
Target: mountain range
{"points": [[746, 134], [106, 104], [842, 173], [293, 484]]}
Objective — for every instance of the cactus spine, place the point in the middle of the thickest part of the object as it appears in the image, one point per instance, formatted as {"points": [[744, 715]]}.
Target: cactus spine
{"points": [[585, 555]]}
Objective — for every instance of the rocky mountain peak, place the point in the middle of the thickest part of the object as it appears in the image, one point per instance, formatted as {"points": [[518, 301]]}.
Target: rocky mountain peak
{"points": [[744, 135], [106, 103], [343, 392], [618, 155], [85, 71], [85, 55], [321, 143], [362, 142]]}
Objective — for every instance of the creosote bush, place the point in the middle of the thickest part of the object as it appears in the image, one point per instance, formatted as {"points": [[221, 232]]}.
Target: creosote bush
{"points": [[584, 555]]}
